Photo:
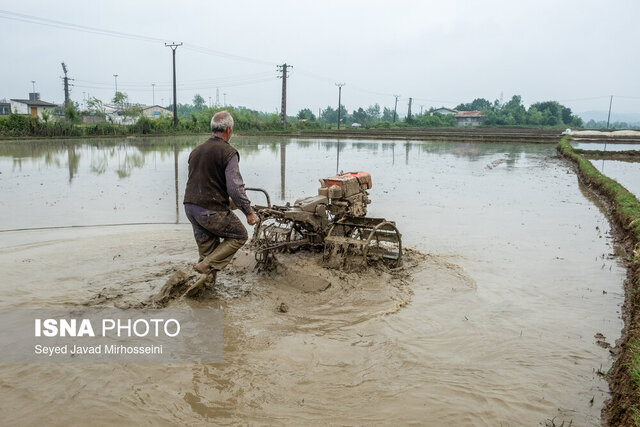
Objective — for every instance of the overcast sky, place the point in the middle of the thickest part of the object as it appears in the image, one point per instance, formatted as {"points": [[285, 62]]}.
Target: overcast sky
{"points": [[440, 53]]}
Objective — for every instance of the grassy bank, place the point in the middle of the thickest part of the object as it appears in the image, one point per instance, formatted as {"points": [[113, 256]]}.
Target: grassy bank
{"points": [[624, 378], [628, 155]]}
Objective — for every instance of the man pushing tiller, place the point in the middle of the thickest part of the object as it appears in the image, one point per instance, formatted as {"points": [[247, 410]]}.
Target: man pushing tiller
{"points": [[214, 178]]}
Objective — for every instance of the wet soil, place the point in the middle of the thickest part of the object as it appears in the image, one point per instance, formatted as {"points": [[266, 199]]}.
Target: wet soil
{"points": [[497, 325]]}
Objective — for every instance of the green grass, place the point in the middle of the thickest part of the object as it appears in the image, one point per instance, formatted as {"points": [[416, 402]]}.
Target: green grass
{"points": [[601, 153]]}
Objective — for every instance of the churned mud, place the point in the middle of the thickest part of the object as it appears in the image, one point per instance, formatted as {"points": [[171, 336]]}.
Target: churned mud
{"points": [[494, 324]]}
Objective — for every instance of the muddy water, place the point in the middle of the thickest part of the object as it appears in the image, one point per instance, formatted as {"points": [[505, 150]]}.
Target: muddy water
{"points": [[626, 173], [494, 325], [605, 146]]}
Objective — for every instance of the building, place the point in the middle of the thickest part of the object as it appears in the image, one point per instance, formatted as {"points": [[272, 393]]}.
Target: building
{"points": [[155, 112], [5, 107], [444, 110], [468, 118], [32, 106]]}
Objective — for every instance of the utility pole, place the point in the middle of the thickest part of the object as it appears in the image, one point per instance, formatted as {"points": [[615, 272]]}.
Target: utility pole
{"points": [[421, 108], [153, 89], [174, 47], [224, 96], [409, 112], [33, 83], [66, 86], [339, 100], [395, 108], [115, 76], [210, 105], [609, 116], [283, 109], [217, 97]]}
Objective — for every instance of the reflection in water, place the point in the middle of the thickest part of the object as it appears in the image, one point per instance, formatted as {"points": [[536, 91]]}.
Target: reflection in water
{"points": [[133, 188], [175, 169], [73, 160], [283, 160]]}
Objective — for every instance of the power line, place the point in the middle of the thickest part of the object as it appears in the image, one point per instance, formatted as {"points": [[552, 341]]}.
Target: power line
{"points": [[5, 14]]}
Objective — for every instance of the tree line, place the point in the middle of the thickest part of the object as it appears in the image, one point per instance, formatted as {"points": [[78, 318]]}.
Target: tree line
{"points": [[194, 117]]}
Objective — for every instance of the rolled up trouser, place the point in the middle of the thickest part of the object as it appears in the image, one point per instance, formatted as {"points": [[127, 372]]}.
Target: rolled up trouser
{"points": [[209, 227]]}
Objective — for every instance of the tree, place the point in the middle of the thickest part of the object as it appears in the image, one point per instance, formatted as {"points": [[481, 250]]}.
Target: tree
{"points": [[95, 106], [120, 99], [534, 117], [373, 111], [477, 104], [71, 113], [306, 114], [360, 116], [387, 115], [46, 115], [330, 115], [198, 102]]}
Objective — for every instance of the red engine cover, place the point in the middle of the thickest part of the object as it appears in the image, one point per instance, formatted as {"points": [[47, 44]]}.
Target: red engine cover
{"points": [[364, 179]]}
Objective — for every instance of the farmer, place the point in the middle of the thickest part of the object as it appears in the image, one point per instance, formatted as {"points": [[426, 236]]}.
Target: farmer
{"points": [[214, 176]]}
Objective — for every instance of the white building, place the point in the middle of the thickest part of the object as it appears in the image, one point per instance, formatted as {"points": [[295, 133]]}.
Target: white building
{"points": [[32, 106], [444, 110], [155, 112]]}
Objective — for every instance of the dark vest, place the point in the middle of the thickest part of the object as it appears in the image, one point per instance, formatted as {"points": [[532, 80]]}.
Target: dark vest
{"points": [[207, 182]]}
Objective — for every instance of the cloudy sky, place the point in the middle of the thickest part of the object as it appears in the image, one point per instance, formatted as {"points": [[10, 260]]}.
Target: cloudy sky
{"points": [[440, 53]]}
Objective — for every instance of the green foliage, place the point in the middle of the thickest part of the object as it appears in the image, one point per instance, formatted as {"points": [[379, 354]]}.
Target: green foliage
{"points": [[198, 102], [306, 114], [46, 116], [121, 99], [434, 120], [513, 113], [477, 104], [71, 113], [95, 106], [602, 124]]}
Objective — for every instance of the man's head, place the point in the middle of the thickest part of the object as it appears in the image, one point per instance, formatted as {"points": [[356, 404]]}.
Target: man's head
{"points": [[222, 123]]}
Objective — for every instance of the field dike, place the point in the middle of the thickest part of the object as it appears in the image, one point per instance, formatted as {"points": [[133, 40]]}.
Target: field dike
{"points": [[623, 408]]}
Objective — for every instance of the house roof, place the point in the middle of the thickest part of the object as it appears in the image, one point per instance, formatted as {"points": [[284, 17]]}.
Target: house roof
{"points": [[446, 109], [35, 103], [154, 106], [469, 114]]}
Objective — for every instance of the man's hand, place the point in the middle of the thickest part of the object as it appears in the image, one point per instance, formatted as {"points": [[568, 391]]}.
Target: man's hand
{"points": [[253, 219]]}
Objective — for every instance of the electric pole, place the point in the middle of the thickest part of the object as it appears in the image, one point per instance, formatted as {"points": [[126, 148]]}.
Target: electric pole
{"points": [[33, 83], [609, 116], [153, 89], [217, 97], [174, 47], [339, 100], [224, 96], [283, 110], [409, 112], [115, 76], [66, 86], [395, 108]]}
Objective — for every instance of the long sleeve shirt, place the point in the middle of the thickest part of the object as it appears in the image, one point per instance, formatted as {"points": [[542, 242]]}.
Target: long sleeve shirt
{"points": [[235, 186]]}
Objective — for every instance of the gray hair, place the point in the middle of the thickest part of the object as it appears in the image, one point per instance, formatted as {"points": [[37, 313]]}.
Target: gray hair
{"points": [[221, 121]]}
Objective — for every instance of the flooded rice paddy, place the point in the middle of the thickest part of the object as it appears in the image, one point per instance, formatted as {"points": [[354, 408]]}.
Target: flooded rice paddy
{"points": [[496, 323]]}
